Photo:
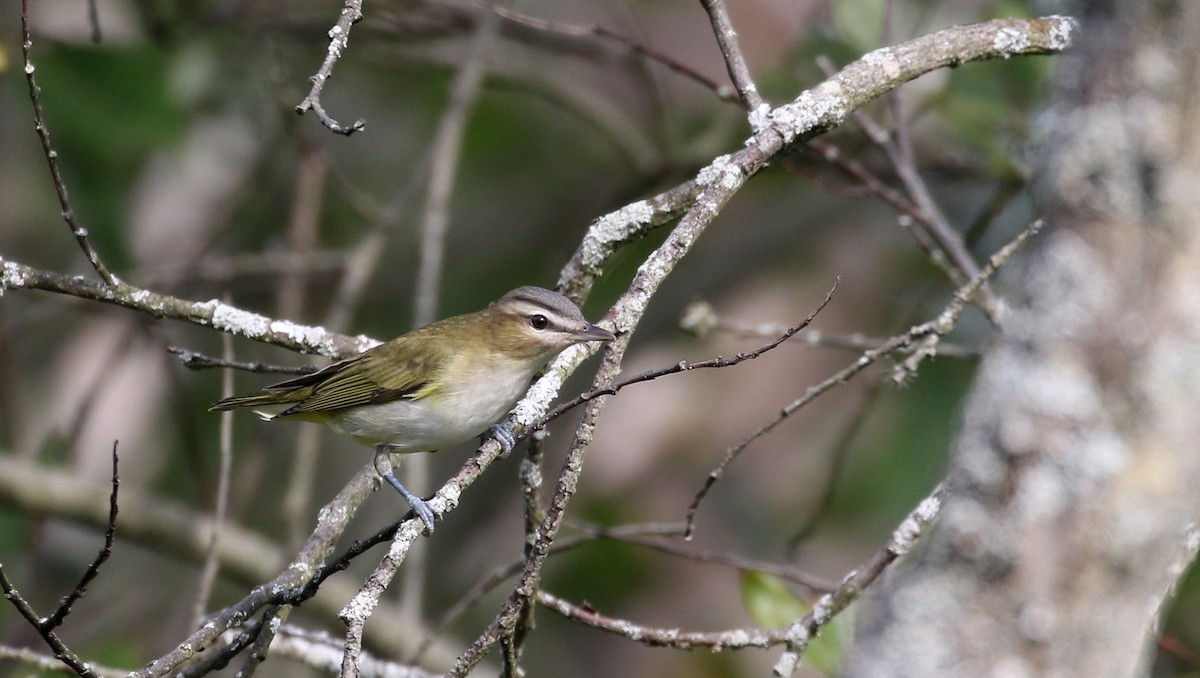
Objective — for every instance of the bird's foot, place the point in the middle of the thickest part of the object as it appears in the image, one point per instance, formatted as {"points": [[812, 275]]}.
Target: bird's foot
{"points": [[422, 508], [503, 436]]}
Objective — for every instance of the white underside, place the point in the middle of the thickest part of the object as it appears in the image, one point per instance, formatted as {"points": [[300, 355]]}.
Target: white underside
{"points": [[439, 421]]}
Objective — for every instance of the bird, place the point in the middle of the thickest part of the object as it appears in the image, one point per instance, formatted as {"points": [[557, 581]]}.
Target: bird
{"points": [[436, 386]]}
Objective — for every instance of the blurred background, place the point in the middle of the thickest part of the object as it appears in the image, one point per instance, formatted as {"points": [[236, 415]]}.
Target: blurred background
{"points": [[184, 157]]}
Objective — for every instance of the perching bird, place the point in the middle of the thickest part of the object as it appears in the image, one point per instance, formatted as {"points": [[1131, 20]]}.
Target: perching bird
{"points": [[439, 385]]}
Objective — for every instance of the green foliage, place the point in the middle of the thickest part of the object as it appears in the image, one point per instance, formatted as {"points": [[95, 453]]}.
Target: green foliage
{"points": [[771, 605]]}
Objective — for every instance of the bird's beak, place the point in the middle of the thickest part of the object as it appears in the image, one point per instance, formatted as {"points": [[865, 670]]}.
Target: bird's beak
{"points": [[592, 333]]}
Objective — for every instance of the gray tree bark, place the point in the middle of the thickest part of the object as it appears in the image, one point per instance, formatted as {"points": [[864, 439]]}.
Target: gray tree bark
{"points": [[1074, 493]]}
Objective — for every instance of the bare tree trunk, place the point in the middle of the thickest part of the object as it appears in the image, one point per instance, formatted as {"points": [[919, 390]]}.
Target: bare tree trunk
{"points": [[1075, 489]]}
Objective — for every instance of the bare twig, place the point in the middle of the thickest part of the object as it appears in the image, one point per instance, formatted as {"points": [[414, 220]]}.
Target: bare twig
{"points": [[735, 61], [923, 339], [497, 576], [64, 607], [61, 652], [198, 361], [446, 153], [46, 663], [732, 639], [39, 119], [699, 318], [795, 636], [339, 37], [45, 626], [272, 618], [212, 560], [723, 92], [685, 366], [792, 574]]}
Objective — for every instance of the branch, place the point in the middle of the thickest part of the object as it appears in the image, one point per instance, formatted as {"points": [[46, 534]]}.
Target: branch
{"points": [[294, 578], [211, 313], [723, 92], [814, 111], [339, 37], [64, 608], [716, 641], [735, 61], [45, 626], [39, 119], [682, 366], [929, 333], [796, 635], [198, 361], [46, 663]]}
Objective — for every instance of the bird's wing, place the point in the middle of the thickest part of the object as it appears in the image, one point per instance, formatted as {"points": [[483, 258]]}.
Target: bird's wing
{"points": [[389, 372]]}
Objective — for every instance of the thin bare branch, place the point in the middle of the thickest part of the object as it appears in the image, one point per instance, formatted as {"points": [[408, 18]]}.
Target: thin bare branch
{"points": [[732, 639], [735, 61], [198, 361], [788, 572], [212, 559], [684, 366], [64, 607], [45, 626], [339, 37], [723, 92], [46, 663], [60, 187], [921, 341]]}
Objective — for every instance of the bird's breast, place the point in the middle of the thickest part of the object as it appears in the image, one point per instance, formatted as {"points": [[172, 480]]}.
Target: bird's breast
{"points": [[463, 408]]}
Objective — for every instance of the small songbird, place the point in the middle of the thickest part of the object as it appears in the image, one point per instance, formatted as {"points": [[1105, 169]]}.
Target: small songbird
{"points": [[439, 385]]}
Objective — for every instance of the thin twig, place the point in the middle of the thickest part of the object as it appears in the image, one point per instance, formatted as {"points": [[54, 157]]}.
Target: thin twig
{"points": [[212, 559], [45, 626], [198, 361], [46, 663], [928, 333], [272, 618], [790, 573], [64, 607], [61, 652], [723, 92], [683, 366], [716, 641], [218, 659], [60, 187], [735, 61], [339, 37], [497, 576], [840, 453]]}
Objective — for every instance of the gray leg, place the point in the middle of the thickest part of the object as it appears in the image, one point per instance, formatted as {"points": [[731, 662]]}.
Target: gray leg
{"points": [[502, 435], [419, 506]]}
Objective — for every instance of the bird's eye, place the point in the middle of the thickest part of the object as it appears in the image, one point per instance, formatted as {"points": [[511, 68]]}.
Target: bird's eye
{"points": [[538, 321]]}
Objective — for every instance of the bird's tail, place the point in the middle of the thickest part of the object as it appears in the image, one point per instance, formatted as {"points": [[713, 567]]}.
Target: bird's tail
{"points": [[256, 400]]}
